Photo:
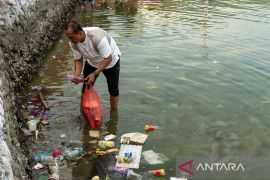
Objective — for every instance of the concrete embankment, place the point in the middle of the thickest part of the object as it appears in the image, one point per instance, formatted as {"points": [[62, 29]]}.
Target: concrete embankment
{"points": [[28, 29]]}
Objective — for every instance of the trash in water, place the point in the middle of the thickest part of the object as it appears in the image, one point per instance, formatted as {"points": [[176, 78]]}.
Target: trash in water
{"points": [[70, 155], [32, 125], [121, 170], [72, 143], [93, 142], [149, 128], [26, 132], [62, 135], [109, 144], [128, 154], [36, 134], [33, 98], [176, 178], [45, 114], [44, 122], [94, 133], [132, 175], [108, 151], [38, 88], [154, 158], [113, 151], [134, 138], [136, 156], [157, 172], [102, 146], [109, 137], [44, 157], [95, 178], [39, 166], [57, 153], [125, 159]]}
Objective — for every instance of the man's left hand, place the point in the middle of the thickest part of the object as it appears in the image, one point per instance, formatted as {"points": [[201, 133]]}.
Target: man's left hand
{"points": [[90, 78]]}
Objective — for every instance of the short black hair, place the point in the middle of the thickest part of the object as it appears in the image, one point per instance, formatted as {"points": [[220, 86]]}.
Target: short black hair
{"points": [[74, 25]]}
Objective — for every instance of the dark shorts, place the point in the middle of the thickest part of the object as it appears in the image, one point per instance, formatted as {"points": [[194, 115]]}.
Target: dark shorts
{"points": [[111, 74]]}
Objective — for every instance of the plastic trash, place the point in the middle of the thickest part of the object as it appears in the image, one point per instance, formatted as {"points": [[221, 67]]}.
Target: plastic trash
{"points": [[95, 178], [109, 137], [154, 158], [26, 132], [57, 153], [72, 143], [176, 178], [125, 159], [134, 138], [132, 175], [32, 125], [44, 159], [91, 107], [38, 166], [101, 146], [70, 155], [112, 151], [36, 88], [53, 172], [94, 133], [45, 114], [121, 170], [157, 172], [109, 144], [33, 98], [149, 128], [128, 154]]}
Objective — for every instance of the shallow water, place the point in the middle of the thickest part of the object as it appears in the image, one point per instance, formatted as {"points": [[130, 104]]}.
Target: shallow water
{"points": [[198, 69]]}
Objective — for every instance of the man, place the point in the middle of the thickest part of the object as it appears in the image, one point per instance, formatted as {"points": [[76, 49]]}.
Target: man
{"points": [[85, 2], [101, 53]]}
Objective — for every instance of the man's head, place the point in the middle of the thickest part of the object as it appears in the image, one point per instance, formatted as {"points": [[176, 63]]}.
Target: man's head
{"points": [[74, 32]]}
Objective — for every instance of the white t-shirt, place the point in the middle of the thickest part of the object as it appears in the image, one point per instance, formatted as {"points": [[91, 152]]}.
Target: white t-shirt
{"points": [[98, 44]]}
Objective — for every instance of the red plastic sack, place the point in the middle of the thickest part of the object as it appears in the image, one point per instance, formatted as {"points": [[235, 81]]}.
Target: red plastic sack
{"points": [[91, 107]]}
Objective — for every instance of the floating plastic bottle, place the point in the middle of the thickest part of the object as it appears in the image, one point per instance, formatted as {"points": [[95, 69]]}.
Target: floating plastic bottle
{"points": [[72, 143], [157, 172], [75, 153], [32, 125], [149, 128]]}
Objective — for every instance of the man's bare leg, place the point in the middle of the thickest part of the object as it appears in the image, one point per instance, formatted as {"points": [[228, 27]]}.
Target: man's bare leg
{"points": [[114, 102]]}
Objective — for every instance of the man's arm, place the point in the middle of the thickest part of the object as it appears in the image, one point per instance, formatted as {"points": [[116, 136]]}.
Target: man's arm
{"points": [[78, 67]]}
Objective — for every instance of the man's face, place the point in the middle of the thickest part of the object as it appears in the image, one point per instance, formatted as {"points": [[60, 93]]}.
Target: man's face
{"points": [[74, 37]]}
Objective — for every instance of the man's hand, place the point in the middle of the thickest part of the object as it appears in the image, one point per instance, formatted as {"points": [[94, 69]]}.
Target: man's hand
{"points": [[90, 78]]}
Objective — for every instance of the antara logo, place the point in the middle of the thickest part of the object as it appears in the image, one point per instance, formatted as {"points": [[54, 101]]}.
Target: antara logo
{"points": [[189, 163], [187, 167]]}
